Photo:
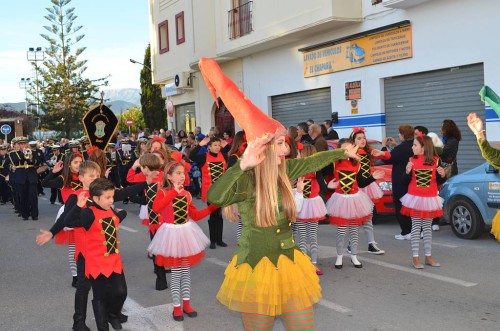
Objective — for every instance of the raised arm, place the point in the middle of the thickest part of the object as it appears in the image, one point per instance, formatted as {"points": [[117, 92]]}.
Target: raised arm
{"points": [[232, 187], [305, 165]]}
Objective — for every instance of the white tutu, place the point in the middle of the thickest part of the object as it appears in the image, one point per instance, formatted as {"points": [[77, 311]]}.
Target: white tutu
{"points": [[345, 209], [373, 191], [312, 210], [423, 207], [143, 212], [179, 241]]}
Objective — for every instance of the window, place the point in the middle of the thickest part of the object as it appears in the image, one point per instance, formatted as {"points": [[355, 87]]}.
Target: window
{"points": [[163, 37], [179, 28]]}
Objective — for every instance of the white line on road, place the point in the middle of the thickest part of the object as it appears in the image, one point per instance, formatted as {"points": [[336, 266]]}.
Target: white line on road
{"points": [[444, 245], [42, 198], [419, 272], [323, 302], [126, 228], [329, 252]]}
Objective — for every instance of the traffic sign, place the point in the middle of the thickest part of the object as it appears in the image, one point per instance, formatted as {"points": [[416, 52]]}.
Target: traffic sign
{"points": [[129, 122], [6, 129]]}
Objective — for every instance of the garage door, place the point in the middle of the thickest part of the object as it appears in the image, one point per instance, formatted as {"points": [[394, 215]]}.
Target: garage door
{"points": [[428, 98], [293, 108]]}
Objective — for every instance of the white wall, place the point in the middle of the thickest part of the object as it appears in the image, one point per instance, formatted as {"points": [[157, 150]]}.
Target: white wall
{"points": [[446, 33]]}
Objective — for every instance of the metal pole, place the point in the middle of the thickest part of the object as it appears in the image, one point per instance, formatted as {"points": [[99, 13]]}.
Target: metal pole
{"points": [[129, 131]]}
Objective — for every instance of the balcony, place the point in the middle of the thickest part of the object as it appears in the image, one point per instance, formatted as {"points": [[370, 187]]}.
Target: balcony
{"points": [[240, 20]]}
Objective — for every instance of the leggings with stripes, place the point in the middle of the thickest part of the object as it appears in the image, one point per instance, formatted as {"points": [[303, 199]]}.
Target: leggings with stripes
{"points": [[239, 228], [426, 226], [71, 259], [354, 237], [299, 319], [180, 284], [308, 235]]}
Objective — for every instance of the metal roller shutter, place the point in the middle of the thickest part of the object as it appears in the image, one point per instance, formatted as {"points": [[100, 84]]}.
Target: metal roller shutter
{"points": [[293, 108], [428, 98]]}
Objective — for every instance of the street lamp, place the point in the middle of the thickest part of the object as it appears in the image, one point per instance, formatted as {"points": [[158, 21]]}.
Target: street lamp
{"points": [[134, 61], [25, 84], [35, 56]]}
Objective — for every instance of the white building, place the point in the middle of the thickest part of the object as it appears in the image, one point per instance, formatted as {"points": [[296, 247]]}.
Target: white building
{"points": [[405, 61]]}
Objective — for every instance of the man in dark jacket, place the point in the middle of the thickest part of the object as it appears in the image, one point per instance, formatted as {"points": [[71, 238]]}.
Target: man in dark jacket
{"points": [[399, 158]]}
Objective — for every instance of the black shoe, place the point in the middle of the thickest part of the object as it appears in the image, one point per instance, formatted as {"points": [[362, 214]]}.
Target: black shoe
{"points": [[373, 249], [221, 244], [122, 317], [34, 218], [161, 284], [80, 326], [52, 202], [338, 266], [212, 246], [114, 320]]}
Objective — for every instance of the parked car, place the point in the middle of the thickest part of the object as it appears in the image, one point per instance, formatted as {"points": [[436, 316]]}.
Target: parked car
{"points": [[471, 200], [385, 205]]}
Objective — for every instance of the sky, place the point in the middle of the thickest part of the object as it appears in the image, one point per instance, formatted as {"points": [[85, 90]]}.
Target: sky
{"points": [[115, 31]]}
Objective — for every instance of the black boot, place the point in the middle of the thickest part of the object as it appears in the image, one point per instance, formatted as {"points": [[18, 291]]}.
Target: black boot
{"points": [[161, 278], [73, 283], [101, 318], [114, 320], [80, 313]]}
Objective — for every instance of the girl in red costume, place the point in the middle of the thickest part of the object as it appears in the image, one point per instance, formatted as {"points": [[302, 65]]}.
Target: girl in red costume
{"points": [[313, 210], [348, 207], [422, 202], [64, 177], [373, 191], [179, 241]]}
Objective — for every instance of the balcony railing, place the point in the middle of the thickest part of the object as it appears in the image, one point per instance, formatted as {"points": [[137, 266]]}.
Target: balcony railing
{"points": [[240, 20]]}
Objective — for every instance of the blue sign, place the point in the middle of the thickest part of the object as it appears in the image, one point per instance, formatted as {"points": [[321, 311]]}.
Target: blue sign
{"points": [[5, 129]]}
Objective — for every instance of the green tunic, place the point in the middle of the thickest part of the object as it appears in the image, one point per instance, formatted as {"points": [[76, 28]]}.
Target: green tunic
{"points": [[490, 154], [237, 186]]}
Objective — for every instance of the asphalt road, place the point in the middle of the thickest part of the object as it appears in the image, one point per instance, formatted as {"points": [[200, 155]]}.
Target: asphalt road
{"points": [[386, 294]]}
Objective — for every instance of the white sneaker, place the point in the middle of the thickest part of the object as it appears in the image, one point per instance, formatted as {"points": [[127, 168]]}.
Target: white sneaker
{"points": [[401, 237], [435, 227]]}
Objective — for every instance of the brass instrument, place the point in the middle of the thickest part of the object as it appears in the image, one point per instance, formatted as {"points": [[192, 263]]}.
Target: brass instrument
{"points": [[113, 156], [28, 154]]}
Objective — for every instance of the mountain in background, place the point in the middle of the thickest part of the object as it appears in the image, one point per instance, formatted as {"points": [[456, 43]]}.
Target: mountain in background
{"points": [[116, 100]]}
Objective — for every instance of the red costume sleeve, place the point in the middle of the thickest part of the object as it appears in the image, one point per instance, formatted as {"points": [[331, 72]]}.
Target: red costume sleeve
{"points": [[163, 198], [197, 215], [132, 177]]}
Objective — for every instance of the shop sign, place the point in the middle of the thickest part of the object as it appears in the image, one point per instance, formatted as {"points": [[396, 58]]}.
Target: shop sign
{"points": [[353, 90], [387, 46]]}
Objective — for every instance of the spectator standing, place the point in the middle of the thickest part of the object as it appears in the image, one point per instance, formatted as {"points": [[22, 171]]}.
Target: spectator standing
{"points": [[451, 139], [331, 134], [198, 134], [303, 136], [399, 157], [317, 139]]}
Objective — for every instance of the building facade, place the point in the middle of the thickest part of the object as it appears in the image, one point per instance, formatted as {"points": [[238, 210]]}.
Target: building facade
{"points": [[369, 63]]}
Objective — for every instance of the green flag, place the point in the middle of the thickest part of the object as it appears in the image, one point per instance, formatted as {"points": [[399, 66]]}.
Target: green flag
{"points": [[489, 96]]}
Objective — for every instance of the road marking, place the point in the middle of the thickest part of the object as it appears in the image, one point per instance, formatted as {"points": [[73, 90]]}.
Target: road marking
{"points": [[42, 198], [151, 318], [328, 252], [444, 245], [126, 228], [334, 306], [323, 302]]}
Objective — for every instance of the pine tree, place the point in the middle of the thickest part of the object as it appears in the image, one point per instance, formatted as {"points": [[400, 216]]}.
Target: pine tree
{"points": [[152, 104], [65, 94]]}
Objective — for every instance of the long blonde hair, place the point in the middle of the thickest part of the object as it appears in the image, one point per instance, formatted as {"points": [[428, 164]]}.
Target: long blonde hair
{"points": [[266, 196]]}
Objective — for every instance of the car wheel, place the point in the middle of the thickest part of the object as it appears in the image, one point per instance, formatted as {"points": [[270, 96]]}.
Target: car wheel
{"points": [[465, 219]]}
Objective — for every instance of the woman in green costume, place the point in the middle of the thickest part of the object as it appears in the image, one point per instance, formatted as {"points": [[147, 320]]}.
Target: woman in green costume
{"points": [[268, 276]]}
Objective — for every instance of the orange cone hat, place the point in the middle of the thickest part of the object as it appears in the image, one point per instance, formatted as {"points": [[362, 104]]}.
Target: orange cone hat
{"points": [[250, 117]]}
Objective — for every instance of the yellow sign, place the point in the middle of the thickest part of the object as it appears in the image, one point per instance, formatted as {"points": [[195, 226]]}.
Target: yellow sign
{"points": [[391, 45]]}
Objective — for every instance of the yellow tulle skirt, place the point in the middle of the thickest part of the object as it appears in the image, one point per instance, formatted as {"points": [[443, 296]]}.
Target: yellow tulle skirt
{"points": [[270, 290], [495, 226]]}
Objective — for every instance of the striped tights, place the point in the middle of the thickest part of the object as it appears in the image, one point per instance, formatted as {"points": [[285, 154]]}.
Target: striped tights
{"points": [[301, 319], [354, 237], [239, 228], [426, 226], [71, 259], [180, 284], [308, 235]]}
